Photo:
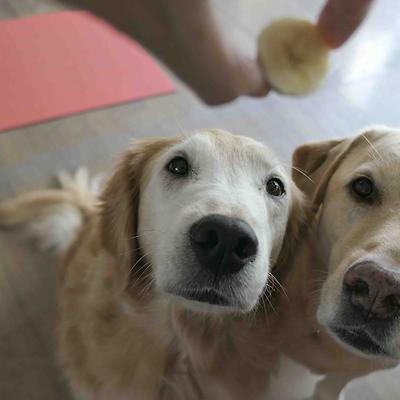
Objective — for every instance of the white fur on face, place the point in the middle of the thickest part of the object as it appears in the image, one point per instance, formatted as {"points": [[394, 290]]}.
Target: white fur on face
{"points": [[351, 231], [228, 176]]}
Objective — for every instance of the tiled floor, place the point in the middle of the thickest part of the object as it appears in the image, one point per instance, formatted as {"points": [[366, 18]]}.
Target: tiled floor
{"points": [[363, 88]]}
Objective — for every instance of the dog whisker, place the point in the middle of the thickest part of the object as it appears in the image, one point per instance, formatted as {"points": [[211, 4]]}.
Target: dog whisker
{"points": [[302, 173], [138, 261], [146, 287], [299, 170], [279, 286], [182, 132], [268, 298], [145, 268], [145, 232], [372, 147], [263, 305], [251, 316]]}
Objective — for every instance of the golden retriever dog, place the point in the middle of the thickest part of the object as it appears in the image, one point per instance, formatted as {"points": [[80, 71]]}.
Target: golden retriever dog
{"points": [[342, 314], [186, 237]]}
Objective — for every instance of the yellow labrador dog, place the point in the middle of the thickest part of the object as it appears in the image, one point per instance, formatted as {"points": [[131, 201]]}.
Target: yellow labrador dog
{"points": [[343, 314], [186, 235]]}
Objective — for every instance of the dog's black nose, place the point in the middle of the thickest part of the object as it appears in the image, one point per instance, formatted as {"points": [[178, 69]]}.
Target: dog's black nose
{"points": [[222, 244], [374, 290]]}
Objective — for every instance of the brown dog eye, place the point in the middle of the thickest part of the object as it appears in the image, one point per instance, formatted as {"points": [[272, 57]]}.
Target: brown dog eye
{"points": [[363, 187], [178, 166], [275, 187]]}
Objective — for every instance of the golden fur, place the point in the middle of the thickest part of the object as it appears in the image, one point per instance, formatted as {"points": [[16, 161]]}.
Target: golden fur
{"points": [[117, 340], [305, 340]]}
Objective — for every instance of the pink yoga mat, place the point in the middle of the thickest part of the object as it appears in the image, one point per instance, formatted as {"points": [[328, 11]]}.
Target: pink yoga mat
{"points": [[54, 65]]}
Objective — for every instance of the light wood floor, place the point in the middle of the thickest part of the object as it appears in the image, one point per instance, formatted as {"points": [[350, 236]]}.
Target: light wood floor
{"points": [[363, 88]]}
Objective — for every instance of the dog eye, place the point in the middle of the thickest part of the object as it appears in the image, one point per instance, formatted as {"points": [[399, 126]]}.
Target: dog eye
{"points": [[363, 187], [178, 166], [275, 187]]}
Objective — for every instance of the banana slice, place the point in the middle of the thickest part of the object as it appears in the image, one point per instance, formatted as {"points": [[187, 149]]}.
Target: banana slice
{"points": [[294, 57]]}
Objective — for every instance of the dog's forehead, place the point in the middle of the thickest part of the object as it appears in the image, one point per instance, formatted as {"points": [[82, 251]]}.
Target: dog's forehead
{"points": [[387, 146], [375, 152], [228, 148]]}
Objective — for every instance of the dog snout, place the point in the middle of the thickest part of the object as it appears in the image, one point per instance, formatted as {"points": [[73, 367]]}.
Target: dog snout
{"points": [[373, 290], [222, 244]]}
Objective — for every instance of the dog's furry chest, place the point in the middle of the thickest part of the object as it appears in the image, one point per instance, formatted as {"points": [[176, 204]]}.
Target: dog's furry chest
{"points": [[114, 346]]}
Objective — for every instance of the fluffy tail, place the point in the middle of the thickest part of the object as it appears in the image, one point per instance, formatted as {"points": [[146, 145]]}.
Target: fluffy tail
{"points": [[53, 217]]}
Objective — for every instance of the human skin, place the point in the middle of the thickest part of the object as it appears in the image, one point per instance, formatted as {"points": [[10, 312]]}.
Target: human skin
{"points": [[185, 35]]}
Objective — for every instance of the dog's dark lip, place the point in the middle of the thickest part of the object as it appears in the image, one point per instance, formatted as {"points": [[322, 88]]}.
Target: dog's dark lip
{"points": [[209, 296], [360, 340]]}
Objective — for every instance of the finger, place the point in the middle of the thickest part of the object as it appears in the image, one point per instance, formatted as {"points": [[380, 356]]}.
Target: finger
{"points": [[250, 78], [340, 18]]}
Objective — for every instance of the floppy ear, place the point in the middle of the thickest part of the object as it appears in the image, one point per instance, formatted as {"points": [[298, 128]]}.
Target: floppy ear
{"points": [[310, 161], [120, 202], [314, 164]]}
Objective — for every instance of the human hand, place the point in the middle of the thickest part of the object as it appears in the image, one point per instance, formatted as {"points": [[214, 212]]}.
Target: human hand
{"points": [[185, 36], [340, 18]]}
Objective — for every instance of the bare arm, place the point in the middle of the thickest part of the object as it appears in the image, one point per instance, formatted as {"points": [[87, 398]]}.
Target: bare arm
{"points": [[185, 36]]}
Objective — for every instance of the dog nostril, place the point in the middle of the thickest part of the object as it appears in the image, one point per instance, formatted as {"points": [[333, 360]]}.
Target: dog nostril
{"points": [[222, 244], [392, 302], [245, 248], [359, 287], [207, 239]]}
